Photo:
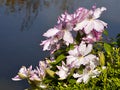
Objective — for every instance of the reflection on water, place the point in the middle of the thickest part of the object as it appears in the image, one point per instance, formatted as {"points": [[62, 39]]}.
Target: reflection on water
{"points": [[18, 5], [31, 8], [31, 14]]}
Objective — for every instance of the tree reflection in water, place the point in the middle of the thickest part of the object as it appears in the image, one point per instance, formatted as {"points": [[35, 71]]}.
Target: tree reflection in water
{"points": [[31, 14], [32, 8]]}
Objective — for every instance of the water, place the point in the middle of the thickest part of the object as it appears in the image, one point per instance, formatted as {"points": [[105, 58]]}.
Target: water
{"points": [[22, 23]]}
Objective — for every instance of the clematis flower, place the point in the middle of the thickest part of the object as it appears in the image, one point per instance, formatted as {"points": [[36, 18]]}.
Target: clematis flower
{"points": [[53, 36], [88, 72], [80, 55], [33, 76], [49, 43], [92, 22], [51, 32], [79, 15], [64, 18], [39, 73], [42, 67], [67, 36], [63, 71], [65, 25], [22, 74], [92, 37]]}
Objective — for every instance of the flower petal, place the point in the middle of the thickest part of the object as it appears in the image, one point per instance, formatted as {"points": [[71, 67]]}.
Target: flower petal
{"points": [[46, 44], [88, 49], [81, 25], [16, 78], [89, 27], [98, 12], [98, 26], [51, 32], [67, 37]]}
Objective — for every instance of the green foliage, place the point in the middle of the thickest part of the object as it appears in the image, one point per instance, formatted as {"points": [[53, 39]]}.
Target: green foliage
{"points": [[109, 79], [105, 32], [107, 48], [102, 58], [59, 59], [118, 39], [50, 72]]}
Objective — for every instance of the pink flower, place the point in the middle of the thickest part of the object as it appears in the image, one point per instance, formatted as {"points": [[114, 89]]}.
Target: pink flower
{"points": [[51, 32], [63, 71], [59, 32], [39, 73], [93, 36], [79, 15], [80, 55], [23, 73], [33, 75], [53, 35], [42, 69], [67, 36], [92, 22], [49, 43], [87, 73], [65, 25], [64, 18]]}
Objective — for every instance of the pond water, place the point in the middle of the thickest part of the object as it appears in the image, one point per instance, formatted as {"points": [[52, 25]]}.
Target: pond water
{"points": [[22, 23]]}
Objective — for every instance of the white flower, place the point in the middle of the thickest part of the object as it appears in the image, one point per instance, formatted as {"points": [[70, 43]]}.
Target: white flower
{"points": [[92, 37], [63, 71], [16, 78], [49, 43], [39, 73], [34, 76], [64, 18], [92, 22], [53, 35], [79, 55], [67, 37], [23, 73], [87, 73], [51, 32], [41, 70]]}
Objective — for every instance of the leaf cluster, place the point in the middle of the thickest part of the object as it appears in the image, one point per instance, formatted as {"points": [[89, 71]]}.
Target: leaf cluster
{"points": [[109, 79]]}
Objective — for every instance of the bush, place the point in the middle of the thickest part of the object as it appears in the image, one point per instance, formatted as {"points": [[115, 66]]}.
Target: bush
{"points": [[80, 58]]}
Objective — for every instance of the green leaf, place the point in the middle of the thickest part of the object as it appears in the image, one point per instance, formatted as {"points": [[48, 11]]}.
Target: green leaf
{"points": [[105, 32], [50, 72], [59, 59], [118, 36], [71, 46], [102, 58], [107, 48], [78, 37], [118, 39], [72, 81], [22, 76], [71, 73]]}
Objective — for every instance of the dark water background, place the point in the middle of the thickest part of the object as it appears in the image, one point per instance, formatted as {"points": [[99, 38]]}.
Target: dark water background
{"points": [[22, 23]]}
